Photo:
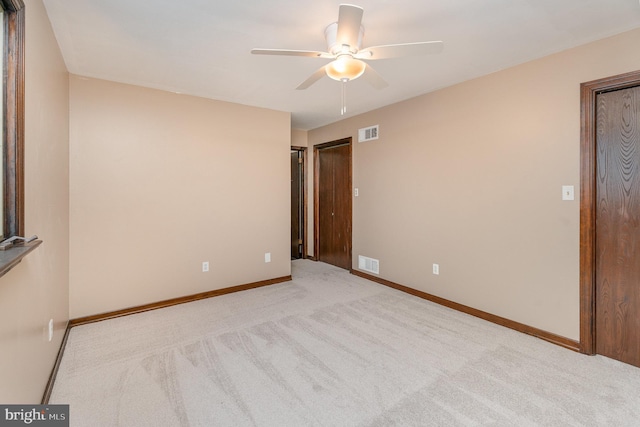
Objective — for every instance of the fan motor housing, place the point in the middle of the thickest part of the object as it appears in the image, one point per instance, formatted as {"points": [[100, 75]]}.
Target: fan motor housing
{"points": [[331, 35]]}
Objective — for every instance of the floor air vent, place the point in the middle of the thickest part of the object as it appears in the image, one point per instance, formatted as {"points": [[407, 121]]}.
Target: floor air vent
{"points": [[368, 264], [368, 134]]}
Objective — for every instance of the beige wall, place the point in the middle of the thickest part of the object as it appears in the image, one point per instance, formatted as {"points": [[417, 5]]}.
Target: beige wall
{"points": [[37, 289], [470, 177], [299, 138], [161, 182]]}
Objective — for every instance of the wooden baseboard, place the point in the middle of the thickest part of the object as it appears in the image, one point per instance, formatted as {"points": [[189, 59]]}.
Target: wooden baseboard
{"points": [[520, 327], [311, 257], [174, 301], [54, 372]]}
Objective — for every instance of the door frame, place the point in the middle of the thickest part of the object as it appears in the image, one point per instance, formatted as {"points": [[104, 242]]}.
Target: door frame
{"points": [[305, 235], [316, 195], [588, 174]]}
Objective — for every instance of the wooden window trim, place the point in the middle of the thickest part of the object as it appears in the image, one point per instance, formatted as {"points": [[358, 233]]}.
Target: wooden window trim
{"points": [[13, 118], [13, 133]]}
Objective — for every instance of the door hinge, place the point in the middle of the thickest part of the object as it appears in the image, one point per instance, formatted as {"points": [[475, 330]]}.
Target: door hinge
{"points": [[299, 241]]}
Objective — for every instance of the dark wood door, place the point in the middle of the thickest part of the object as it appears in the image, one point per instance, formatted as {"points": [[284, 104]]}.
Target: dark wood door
{"points": [[334, 205], [617, 314]]}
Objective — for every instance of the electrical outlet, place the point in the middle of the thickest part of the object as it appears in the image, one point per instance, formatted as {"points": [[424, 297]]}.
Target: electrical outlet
{"points": [[50, 329], [267, 257], [356, 192], [205, 266], [436, 269]]}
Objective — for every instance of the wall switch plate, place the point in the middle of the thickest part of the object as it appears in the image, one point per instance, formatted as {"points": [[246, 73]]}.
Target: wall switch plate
{"points": [[355, 192], [50, 329], [267, 257], [436, 269], [205, 266], [568, 192]]}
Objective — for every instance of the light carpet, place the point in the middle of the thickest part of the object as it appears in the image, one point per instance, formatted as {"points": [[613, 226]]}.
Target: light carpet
{"points": [[331, 349]]}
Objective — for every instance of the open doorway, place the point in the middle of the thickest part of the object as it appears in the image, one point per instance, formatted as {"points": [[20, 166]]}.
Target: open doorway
{"points": [[298, 204]]}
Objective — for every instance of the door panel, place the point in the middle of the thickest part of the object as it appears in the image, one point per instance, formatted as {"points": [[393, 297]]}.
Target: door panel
{"points": [[342, 207], [325, 206], [617, 248], [334, 205]]}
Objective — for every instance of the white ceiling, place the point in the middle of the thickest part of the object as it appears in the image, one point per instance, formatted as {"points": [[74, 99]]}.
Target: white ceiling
{"points": [[201, 47]]}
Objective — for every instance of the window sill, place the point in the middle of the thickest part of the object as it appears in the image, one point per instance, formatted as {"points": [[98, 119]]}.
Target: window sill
{"points": [[11, 257]]}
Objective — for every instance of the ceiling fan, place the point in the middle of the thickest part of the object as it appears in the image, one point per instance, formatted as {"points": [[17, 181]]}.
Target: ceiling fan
{"points": [[344, 40]]}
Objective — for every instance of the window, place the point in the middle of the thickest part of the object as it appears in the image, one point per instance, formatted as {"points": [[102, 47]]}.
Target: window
{"points": [[12, 134], [12, 112]]}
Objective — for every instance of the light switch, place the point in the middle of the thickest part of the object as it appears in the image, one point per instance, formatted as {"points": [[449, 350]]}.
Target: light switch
{"points": [[567, 192], [355, 192]]}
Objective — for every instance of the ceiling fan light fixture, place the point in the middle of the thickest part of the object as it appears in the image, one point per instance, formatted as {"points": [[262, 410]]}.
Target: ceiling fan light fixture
{"points": [[337, 46], [345, 67]]}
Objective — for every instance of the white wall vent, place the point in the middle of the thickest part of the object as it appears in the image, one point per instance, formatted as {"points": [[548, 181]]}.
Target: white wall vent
{"points": [[368, 264], [368, 134]]}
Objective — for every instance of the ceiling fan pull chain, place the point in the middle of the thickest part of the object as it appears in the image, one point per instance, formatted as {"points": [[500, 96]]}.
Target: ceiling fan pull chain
{"points": [[343, 110]]}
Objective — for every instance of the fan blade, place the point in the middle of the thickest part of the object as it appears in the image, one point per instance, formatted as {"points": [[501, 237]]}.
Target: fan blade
{"points": [[372, 77], [398, 50], [320, 73], [287, 52], [349, 22]]}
